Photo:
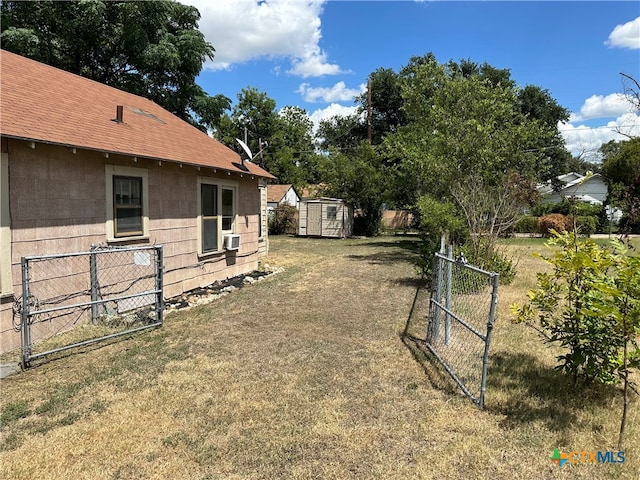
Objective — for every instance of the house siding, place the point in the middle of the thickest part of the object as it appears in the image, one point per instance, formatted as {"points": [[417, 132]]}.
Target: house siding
{"points": [[58, 204], [594, 187]]}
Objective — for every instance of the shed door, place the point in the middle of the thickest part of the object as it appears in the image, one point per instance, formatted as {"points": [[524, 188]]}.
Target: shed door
{"points": [[314, 219]]}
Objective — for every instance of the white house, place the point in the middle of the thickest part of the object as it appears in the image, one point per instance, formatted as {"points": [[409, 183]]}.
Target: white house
{"points": [[587, 188], [281, 195]]}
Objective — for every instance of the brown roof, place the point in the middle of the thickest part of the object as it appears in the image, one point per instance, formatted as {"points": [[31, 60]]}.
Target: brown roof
{"points": [[42, 103], [275, 193]]}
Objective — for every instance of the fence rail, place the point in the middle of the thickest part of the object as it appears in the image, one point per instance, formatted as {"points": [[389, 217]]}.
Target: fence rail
{"points": [[461, 315], [75, 299]]}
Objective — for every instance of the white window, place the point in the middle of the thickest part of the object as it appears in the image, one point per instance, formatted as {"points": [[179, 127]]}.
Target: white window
{"points": [[332, 212], [127, 203], [217, 201]]}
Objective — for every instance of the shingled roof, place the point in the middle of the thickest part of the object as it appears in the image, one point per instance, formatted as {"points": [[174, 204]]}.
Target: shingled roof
{"points": [[275, 193], [44, 104]]}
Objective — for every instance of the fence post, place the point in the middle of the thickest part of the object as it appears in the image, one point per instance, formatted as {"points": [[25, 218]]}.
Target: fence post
{"points": [[25, 324], [490, 320], [436, 296], [93, 275], [159, 285], [447, 321]]}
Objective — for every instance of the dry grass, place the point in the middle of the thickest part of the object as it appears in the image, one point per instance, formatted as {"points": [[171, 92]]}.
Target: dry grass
{"points": [[305, 375]]}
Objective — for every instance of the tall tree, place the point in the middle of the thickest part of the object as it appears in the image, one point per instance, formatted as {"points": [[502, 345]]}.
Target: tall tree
{"points": [[295, 160], [385, 112], [254, 119], [360, 178], [621, 170], [153, 49], [538, 104], [465, 131]]}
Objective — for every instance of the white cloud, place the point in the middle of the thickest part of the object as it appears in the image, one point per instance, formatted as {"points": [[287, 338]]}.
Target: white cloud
{"points": [[338, 93], [332, 110], [244, 30], [626, 35], [599, 106], [584, 141]]}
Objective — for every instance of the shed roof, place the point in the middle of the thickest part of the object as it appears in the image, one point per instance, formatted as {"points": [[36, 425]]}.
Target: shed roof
{"points": [[45, 104]]}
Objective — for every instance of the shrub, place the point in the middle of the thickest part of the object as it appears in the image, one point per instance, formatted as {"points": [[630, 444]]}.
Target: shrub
{"points": [[554, 221], [283, 220], [494, 261], [586, 225], [590, 305], [527, 224]]}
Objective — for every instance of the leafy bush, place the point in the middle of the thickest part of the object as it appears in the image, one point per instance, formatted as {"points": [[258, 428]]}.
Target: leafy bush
{"points": [[527, 224], [590, 305], [436, 218], [586, 225], [495, 261], [283, 220], [554, 221]]}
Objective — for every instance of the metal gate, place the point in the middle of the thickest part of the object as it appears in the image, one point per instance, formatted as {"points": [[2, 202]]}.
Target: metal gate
{"points": [[462, 310], [75, 299]]}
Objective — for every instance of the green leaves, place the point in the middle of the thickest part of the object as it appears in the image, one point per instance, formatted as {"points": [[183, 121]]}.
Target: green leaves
{"points": [[589, 304]]}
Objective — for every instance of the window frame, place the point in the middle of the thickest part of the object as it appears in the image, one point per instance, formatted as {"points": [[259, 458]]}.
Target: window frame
{"points": [[111, 173], [334, 212], [221, 185]]}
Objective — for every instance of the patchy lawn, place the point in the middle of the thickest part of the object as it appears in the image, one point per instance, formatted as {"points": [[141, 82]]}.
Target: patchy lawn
{"points": [[305, 375]]}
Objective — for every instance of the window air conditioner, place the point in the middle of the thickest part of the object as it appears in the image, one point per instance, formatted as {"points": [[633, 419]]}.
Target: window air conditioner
{"points": [[232, 242]]}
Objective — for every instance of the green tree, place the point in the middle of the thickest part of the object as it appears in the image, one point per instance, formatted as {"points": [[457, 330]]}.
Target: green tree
{"points": [[538, 104], [360, 179], [282, 142], [621, 170], [340, 133], [295, 159], [253, 119], [153, 49], [589, 304], [386, 110]]}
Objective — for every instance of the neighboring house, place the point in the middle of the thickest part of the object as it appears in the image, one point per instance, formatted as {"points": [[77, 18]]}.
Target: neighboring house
{"points": [[85, 164], [281, 195], [590, 189], [325, 217]]}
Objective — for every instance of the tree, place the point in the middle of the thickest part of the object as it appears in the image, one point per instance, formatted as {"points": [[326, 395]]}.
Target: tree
{"points": [[295, 160], [590, 305], [538, 104], [360, 179], [254, 120], [151, 49], [338, 133], [621, 170], [386, 106], [282, 142], [468, 142]]}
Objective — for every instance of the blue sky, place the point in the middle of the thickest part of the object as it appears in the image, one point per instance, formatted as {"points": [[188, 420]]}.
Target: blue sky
{"points": [[317, 54]]}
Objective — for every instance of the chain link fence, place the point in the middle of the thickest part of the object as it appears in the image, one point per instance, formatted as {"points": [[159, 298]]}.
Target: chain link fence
{"points": [[461, 315], [72, 300]]}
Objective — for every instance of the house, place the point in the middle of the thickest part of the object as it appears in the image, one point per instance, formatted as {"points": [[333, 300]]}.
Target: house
{"points": [[86, 164], [281, 195], [591, 189], [325, 217], [587, 188]]}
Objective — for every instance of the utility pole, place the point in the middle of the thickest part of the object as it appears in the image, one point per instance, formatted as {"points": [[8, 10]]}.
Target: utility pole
{"points": [[369, 109]]}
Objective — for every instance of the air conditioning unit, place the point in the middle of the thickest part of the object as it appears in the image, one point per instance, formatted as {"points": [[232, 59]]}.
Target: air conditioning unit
{"points": [[232, 242]]}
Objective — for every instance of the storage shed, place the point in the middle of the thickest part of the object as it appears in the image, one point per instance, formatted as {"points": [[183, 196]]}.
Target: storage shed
{"points": [[325, 217]]}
